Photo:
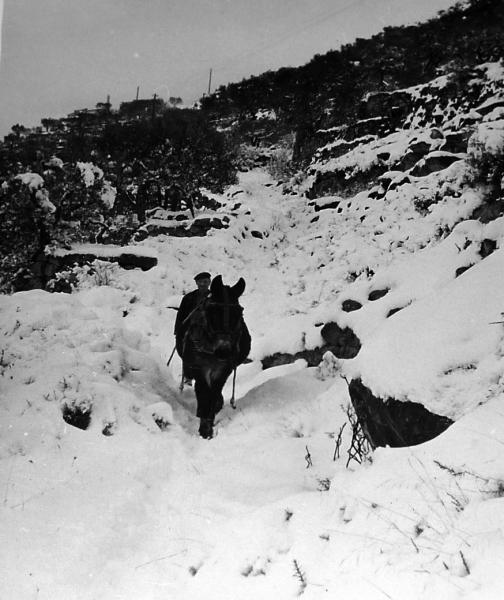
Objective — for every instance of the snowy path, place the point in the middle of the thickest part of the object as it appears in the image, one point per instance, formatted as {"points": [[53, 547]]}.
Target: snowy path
{"points": [[160, 514]]}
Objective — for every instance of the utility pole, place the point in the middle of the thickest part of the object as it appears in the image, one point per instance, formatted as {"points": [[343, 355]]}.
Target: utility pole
{"points": [[209, 82], [154, 106], [138, 91]]}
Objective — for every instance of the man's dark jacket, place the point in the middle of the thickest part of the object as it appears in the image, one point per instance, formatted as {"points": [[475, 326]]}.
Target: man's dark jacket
{"points": [[189, 302]]}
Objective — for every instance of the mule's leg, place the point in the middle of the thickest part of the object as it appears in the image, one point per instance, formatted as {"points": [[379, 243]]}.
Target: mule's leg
{"points": [[205, 409]]}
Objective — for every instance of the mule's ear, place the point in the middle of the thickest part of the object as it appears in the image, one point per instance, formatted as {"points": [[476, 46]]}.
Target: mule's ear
{"points": [[216, 284], [238, 288]]}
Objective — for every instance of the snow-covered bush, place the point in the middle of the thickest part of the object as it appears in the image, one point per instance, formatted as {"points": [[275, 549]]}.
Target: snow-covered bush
{"points": [[98, 273], [280, 165], [487, 166]]}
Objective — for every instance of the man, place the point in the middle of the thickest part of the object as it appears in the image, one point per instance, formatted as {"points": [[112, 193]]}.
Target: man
{"points": [[188, 306]]}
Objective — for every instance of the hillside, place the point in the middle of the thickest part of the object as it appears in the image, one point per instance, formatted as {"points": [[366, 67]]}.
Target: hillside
{"points": [[364, 456], [131, 502], [327, 91]]}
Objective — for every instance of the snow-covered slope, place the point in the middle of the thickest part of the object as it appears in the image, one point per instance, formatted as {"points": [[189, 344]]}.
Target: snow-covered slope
{"points": [[129, 503]]}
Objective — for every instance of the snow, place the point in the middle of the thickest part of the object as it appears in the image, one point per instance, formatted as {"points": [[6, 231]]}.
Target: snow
{"points": [[138, 506], [108, 250], [89, 173], [33, 180]]}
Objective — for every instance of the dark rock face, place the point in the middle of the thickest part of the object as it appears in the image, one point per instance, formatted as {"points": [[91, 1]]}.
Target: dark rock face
{"points": [[350, 305], [456, 141], [393, 423], [422, 148], [488, 211], [343, 343]]}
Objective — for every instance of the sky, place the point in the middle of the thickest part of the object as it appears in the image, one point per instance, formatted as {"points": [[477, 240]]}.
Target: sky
{"points": [[60, 55]]}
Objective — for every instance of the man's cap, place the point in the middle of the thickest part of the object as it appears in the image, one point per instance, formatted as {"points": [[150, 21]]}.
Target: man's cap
{"points": [[203, 275]]}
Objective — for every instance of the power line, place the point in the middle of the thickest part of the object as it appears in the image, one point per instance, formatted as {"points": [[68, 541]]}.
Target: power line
{"points": [[278, 40]]}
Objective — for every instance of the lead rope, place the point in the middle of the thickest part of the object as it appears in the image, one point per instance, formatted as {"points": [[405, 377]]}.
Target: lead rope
{"points": [[233, 401]]}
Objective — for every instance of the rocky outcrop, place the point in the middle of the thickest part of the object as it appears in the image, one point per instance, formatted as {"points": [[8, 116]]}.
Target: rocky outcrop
{"points": [[487, 247], [488, 211], [456, 141], [394, 105], [390, 422], [46, 267], [337, 149], [343, 343], [312, 357], [195, 228], [433, 162], [375, 126], [338, 183], [126, 260]]}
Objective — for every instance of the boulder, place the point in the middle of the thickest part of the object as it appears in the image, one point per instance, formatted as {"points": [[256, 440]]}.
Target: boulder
{"points": [[350, 305], [343, 343], [456, 141], [420, 147], [394, 423], [136, 261], [487, 247], [377, 294], [433, 162]]}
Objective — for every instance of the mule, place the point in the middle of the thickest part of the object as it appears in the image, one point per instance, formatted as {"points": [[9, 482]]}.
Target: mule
{"points": [[216, 342]]}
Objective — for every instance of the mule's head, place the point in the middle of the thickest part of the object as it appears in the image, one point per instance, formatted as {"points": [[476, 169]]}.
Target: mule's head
{"points": [[224, 316]]}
